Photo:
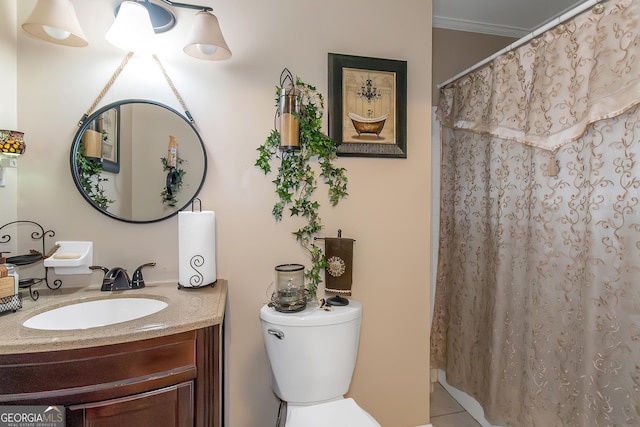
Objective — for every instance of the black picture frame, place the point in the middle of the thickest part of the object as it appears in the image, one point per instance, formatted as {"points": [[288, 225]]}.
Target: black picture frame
{"points": [[367, 106]]}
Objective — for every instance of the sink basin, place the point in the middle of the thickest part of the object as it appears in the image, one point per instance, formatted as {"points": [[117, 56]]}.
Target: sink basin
{"points": [[93, 314]]}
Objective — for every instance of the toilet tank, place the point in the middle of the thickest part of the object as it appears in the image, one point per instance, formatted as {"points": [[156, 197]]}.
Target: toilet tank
{"points": [[313, 352]]}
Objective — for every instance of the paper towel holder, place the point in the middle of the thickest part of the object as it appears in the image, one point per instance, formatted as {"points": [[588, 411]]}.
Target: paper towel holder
{"points": [[193, 204], [196, 264]]}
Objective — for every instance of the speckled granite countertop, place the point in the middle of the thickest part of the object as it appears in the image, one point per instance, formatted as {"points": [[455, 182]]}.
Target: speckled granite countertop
{"points": [[188, 309]]}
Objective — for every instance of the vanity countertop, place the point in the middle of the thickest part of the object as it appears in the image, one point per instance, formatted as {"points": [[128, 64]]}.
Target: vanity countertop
{"points": [[188, 309]]}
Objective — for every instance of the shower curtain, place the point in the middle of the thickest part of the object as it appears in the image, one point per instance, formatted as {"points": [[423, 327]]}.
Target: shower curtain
{"points": [[537, 307]]}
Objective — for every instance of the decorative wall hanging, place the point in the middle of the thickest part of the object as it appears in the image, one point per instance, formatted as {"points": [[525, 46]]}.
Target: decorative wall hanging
{"points": [[297, 177], [368, 106]]}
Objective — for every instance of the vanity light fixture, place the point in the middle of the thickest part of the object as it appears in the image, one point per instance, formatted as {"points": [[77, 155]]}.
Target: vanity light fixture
{"points": [[132, 32], [11, 146], [55, 21]]}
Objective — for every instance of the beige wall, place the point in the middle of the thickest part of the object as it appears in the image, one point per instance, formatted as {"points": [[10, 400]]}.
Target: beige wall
{"points": [[8, 112], [387, 211], [455, 51]]}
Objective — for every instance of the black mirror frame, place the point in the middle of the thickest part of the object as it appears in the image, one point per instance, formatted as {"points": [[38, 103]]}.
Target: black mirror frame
{"points": [[76, 143]]}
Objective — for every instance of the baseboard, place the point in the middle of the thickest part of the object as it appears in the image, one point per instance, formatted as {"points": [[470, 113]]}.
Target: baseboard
{"points": [[467, 402], [426, 425], [434, 375]]}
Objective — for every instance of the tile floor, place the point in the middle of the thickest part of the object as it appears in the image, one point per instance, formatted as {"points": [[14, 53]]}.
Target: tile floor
{"points": [[446, 412]]}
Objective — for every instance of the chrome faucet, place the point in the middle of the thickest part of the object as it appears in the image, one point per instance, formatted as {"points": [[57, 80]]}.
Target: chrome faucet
{"points": [[117, 278]]}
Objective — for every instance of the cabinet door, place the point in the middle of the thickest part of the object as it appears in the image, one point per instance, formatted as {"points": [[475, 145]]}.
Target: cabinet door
{"points": [[166, 407]]}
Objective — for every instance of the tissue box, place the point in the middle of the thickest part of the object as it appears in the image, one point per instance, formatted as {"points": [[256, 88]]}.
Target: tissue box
{"points": [[7, 286]]}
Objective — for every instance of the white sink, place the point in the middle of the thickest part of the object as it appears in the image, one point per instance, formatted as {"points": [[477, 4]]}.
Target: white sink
{"points": [[93, 314]]}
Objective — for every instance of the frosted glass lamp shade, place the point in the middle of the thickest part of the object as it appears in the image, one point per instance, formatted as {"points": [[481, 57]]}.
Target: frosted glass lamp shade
{"points": [[55, 21], [132, 30], [205, 40]]}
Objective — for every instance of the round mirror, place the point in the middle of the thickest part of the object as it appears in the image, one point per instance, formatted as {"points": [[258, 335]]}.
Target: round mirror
{"points": [[138, 161]]}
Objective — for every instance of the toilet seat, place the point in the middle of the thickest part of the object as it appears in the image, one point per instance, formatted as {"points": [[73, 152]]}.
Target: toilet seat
{"points": [[338, 413]]}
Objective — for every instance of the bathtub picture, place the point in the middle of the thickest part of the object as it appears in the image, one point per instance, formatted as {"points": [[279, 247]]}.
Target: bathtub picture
{"points": [[367, 106], [368, 103], [368, 124]]}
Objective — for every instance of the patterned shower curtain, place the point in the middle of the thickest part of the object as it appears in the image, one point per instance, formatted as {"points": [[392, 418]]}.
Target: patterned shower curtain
{"points": [[537, 308]]}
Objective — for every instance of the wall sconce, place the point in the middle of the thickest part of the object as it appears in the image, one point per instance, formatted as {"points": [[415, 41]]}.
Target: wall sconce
{"points": [[288, 113], [205, 40], [11, 146], [133, 29]]}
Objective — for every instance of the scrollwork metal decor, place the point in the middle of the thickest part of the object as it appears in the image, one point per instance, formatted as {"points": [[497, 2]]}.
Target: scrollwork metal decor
{"points": [[34, 256]]}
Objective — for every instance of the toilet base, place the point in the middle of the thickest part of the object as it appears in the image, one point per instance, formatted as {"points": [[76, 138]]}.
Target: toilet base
{"points": [[337, 413]]}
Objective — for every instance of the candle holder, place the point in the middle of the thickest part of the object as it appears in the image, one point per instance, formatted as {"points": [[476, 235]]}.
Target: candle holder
{"points": [[288, 115], [290, 295]]}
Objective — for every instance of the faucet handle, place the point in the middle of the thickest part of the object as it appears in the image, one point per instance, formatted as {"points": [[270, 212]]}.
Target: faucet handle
{"points": [[137, 281], [99, 267]]}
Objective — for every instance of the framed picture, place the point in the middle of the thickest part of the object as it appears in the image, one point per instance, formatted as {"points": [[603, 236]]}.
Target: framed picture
{"points": [[108, 124], [368, 106]]}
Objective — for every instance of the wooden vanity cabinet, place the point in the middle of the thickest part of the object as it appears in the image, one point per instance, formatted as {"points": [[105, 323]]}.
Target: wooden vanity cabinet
{"points": [[170, 406], [173, 380]]}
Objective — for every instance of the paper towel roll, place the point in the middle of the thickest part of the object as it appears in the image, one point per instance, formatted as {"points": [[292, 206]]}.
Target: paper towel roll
{"points": [[196, 249]]}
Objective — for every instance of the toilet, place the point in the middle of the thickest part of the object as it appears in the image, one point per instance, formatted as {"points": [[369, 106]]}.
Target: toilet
{"points": [[312, 354]]}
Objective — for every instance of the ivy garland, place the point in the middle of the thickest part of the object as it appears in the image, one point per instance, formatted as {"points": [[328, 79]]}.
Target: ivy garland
{"points": [[169, 198], [296, 180], [91, 179]]}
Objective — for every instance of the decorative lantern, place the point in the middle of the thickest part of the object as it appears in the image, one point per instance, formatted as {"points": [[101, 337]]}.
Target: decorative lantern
{"points": [[288, 122], [289, 295]]}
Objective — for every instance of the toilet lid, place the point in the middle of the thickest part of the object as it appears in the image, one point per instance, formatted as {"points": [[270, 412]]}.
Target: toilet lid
{"points": [[339, 413]]}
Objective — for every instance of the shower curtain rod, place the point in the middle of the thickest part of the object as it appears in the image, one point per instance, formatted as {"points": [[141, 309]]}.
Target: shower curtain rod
{"points": [[535, 33]]}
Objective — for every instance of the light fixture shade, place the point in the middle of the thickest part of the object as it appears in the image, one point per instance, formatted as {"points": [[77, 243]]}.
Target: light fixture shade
{"points": [[55, 21], [132, 30], [12, 142], [205, 40]]}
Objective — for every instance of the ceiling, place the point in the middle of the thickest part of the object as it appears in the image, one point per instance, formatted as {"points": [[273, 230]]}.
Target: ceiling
{"points": [[511, 18]]}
